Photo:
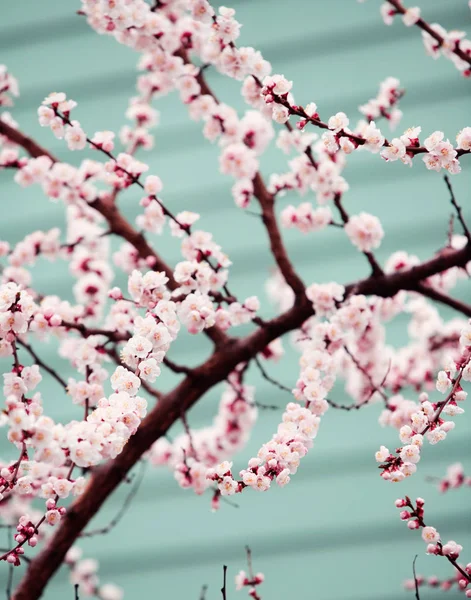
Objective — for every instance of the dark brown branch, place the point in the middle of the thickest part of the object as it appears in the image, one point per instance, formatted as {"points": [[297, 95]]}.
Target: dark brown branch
{"points": [[267, 203], [421, 24], [457, 207], [429, 292], [176, 368]]}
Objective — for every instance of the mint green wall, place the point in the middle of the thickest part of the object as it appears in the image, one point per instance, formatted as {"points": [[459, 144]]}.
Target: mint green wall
{"points": [[333, 533]]}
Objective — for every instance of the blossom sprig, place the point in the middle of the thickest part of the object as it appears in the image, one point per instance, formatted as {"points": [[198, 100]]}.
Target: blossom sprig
{"points": [[454, 479], [435, 582], [250, 580], [276, 91], [83, 573], [9, 88], [437, 40], [190, 455], [426, 422], [413, 513], [126, 171], [385, 104]]}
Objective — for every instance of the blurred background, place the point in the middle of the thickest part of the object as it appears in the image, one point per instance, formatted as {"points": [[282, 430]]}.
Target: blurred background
{"points": [[333, 533]]}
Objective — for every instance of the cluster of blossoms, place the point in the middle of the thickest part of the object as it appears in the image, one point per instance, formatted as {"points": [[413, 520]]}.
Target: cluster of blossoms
{"points": [[455, 478], [191, 455], [244, 580], [426, 421], [345, 338], [414, 515], [438, 153], [450, 44], [435, 582], [8, 87], [385, 103], [83, 573]]}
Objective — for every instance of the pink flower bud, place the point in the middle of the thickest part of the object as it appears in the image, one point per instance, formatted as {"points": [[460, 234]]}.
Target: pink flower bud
{"points": [[413, 524], [50, 504], [115, 293], [405, 514], [400, 502], [55, 320]]}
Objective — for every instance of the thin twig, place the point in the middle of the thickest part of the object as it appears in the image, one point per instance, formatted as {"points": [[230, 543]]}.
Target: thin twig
{"points": [[126, 504], [43, 365], [76, 588], [223, 589], [417, 595], [270, 379], [204, 589], [361, 368], [11, 567], [457, 207]]}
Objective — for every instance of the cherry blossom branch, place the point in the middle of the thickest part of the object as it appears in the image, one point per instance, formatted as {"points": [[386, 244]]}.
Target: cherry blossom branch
{"points": [[217, 368], [414, 515], [266, 201], [295, 110], [118, 225], [424, 26]]}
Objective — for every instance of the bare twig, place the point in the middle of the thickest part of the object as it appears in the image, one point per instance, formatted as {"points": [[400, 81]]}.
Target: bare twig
{"points": [[223, 589], [265, 375], [126, 504], [416, 581], [43, 365], [458, 209], [204, 589]]}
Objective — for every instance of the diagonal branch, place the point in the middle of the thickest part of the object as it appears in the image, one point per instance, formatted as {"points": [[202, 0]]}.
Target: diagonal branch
{"points": [[421, 24], [267, 203], [457, 207], [118, 225], [429, 292]]}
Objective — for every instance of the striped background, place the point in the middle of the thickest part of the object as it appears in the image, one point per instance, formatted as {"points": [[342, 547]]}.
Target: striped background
{"points": [[333, 533]]}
